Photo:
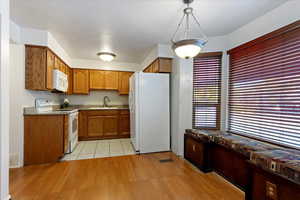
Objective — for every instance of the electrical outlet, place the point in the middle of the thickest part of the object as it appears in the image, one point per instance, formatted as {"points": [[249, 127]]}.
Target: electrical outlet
{"points": [[271, 190]]}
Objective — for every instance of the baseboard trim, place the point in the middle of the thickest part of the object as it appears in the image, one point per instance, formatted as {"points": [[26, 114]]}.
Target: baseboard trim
{"points": [[7, 198]]}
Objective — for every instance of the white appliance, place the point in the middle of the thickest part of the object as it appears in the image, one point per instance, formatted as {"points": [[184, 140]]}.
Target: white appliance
{"points": [[73, 131], [60, 81], [149, 106], [43, 105]]}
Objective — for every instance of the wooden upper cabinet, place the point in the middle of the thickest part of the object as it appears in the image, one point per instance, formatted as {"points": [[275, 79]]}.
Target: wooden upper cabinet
{"points": [[165, 65], [64, 68], [50, 67], [80, 81], [111, 80], [124, 82], [37, 76], [40, 63], [155, 66], [160, 65], [97, 79], [57, 63], [70, 80]]}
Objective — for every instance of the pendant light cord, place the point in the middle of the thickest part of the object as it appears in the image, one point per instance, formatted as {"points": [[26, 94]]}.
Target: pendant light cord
{"points": [[187, 30], [179, 25]]}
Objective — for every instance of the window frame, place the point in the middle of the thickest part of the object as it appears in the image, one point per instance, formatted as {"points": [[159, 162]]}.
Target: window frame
{"points": [[277, 33], [217, 105]]}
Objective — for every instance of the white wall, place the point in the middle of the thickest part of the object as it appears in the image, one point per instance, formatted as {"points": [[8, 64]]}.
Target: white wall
{"points": [[182, 93], [149, 58], [4, 99], [23, 35], [98, 64], [19, 98], [58, 49], [273, 20], [96, 98], [15, 32], [160, 50], [33, 36], [181, 102]]}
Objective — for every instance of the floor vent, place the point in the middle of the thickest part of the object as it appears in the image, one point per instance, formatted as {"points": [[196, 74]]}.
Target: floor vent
{"points": [[166, 160]]}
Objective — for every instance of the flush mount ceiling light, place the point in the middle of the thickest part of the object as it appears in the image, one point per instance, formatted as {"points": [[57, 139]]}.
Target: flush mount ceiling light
{"points": [[106, 56], [188, 47]]}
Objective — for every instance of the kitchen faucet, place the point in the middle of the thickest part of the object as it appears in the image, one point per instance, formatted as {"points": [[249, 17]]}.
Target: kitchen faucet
{"points": [[105, 99]]}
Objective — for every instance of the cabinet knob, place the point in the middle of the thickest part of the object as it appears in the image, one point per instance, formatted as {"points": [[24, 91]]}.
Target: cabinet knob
{"points": [[194, 148], [271, 190]]}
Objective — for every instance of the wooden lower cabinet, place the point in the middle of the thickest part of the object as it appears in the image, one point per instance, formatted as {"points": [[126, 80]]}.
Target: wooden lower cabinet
{"points": [[231, 165], [95, 126], [197, 152], [124, 123], [264, 185], [44, 138], [101, 124], [110, 126]]}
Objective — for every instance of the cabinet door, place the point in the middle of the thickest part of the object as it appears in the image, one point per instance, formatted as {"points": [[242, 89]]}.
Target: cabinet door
{"points": [[82, 125], [110, 125], [63, 67], [124, 82], [194, 151], [35, 70], [95, 126], [50, 67], [111, 80], [66, 133], [165, 65], [155, 66], [97, 79], [80, 81], [124, 125], [70, 80], [44, 146], [57, 63]]}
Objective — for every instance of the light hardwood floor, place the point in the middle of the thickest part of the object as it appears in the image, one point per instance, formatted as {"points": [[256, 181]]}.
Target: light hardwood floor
{"points": [[134, 177]]}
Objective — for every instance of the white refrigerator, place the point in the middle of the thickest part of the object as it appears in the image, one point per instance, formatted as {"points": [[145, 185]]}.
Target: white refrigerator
{"points": [[149, 104]]}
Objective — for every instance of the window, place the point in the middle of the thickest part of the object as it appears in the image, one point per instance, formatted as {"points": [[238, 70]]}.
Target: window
{"points": [[206, 94], [264, 91]]}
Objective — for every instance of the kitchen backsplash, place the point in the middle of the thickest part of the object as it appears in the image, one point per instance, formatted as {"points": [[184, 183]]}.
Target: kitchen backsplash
{"points": [[96, 98]]}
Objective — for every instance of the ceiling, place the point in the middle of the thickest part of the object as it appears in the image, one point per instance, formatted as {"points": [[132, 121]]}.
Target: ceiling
{"points": [[129, 28]]}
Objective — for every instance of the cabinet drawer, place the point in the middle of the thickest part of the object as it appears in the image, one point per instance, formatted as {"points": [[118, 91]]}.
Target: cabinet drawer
{"points": [[103, 112], [124, 112]]}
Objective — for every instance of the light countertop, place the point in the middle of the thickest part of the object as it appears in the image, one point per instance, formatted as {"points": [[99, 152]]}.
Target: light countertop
{"points": [[71, 109]]}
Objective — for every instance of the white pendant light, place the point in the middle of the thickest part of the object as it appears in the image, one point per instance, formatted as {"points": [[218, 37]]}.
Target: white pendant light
{"points": [[106, 56], [188, 47]]}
